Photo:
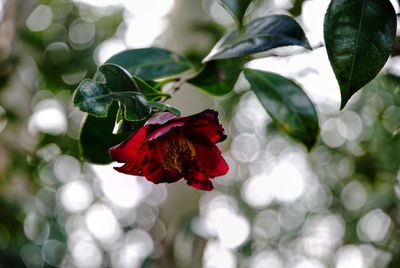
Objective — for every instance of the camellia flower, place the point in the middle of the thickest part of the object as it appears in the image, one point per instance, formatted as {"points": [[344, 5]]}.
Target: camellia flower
{"points": [[168, 148]]}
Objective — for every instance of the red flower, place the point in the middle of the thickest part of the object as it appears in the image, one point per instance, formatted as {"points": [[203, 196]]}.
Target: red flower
{"points": [[168, 148]]}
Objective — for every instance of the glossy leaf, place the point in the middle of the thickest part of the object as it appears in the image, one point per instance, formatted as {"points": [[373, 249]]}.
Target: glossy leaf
{"points": [[237, 8], [287, 104], [95, 98], [259, 35], [96, 137], [359, 35], [218, 77], [162, 107], [151, 63]]}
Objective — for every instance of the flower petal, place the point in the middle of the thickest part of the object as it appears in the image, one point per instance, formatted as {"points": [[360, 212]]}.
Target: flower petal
{"points": [[207, 123], [208, 157], [153, 168], [159, 174], [130, 152], [161, 118], [199, 180], [134, 166], [150, 166], [159, 131]]}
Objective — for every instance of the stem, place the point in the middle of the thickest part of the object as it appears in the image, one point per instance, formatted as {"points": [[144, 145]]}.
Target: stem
{"points": [[178, 84], [166, 81], [165, 99], [161, 94], [179, 81]]}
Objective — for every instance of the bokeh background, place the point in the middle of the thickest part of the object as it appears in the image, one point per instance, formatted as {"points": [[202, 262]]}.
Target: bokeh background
{"points": [[279, 205]]}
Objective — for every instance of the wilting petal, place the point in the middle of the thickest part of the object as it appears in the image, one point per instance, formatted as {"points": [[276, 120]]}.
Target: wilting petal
{"points": [[207, 124], [213, 164], [130, 152], [208, 157], [135, 165], [199, 180], [159, 174]]}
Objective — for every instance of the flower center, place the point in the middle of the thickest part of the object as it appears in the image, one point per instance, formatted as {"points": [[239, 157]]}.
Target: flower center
{"points": [[177, 150]]}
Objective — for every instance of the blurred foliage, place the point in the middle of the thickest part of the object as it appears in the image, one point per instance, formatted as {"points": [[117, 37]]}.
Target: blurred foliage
{"points": [[62, 56], [50, 65]]}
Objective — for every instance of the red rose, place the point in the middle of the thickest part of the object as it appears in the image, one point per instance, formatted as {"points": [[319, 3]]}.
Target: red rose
{"points": [[168, 148]]}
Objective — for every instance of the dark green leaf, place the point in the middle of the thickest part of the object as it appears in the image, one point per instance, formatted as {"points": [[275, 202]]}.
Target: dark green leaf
{"points": [[218, 77], [96, 137], [118, 78], [237, 8], [287, 104], [86, 98], [359, 35], [151, 63], [163, 107], [259, 35], [95, 98]]}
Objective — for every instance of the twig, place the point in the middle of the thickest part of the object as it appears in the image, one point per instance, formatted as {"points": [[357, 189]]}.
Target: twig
{"points": [[177, 85]]}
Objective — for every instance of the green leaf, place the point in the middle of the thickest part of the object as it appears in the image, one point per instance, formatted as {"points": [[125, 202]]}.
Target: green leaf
{"points": [[237, 8], [151, 63], [163, 108], [287, 104], [96, 137], [95, 98], [118, 78], [148, 91], [259, 35], [218, 77], [359, 35]]}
